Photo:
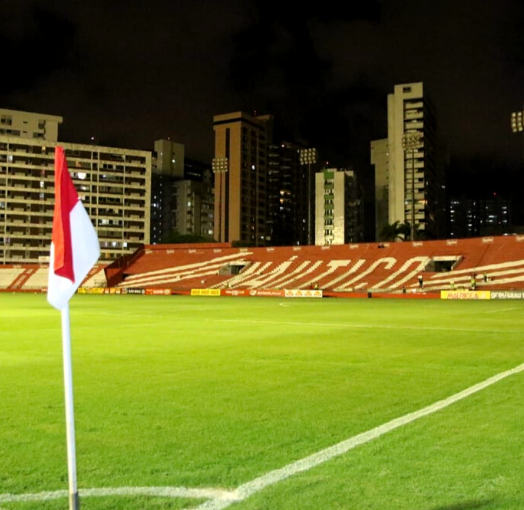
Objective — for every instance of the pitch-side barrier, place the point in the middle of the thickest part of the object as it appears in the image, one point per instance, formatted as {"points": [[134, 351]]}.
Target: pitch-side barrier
{"points": [[312, 293]]}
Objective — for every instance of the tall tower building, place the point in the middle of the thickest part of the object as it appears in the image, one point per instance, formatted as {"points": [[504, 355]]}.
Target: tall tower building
{"points": [[241, 170], [413, 177]]}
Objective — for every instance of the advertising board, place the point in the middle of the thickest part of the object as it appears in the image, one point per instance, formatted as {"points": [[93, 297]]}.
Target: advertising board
{"points": [[465, 294], [205, 292]]}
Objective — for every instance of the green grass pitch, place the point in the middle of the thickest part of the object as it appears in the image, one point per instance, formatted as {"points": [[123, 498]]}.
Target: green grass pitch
{"points": [[215, 392]]}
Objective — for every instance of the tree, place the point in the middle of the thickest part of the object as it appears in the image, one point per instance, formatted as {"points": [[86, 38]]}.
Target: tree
{"points": [[175, 237], [398, 232]]}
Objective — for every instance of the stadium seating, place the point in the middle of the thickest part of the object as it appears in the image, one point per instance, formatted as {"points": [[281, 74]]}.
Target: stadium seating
{"points": [[8, 274], [384, 267], [37, 280]]}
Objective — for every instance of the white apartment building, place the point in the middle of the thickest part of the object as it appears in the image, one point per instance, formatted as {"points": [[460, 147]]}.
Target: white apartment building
{"points": [[338, 208], [412, 173], [114, 185], [37, 126]]}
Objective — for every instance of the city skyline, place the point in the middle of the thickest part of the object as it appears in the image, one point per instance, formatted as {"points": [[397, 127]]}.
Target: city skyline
{"points": [[128, 75]]}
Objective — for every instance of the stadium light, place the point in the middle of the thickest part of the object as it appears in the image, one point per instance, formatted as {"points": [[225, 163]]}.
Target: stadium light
{"points": [[517, 122]]}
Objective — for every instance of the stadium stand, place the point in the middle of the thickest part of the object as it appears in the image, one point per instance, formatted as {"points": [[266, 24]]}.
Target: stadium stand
{"points": [[8, 274], [494, 262], [37, 280], [34, 277]]}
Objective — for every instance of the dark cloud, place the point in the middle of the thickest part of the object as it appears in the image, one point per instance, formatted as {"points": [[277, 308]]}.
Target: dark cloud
{"points": [[327, 76], [277, 66], [131, 73], [35, 43], [140, 72]]}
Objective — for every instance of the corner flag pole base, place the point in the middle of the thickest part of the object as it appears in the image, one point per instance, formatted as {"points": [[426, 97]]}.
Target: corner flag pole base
{"points": [[74, 501]]}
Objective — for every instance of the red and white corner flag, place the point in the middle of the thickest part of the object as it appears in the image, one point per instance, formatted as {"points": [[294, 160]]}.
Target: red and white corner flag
{"points": [[74, 247]]}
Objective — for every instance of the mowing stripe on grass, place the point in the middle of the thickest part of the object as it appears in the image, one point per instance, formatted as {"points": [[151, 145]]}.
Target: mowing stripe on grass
{"points": [[218, 499], [248, 489], [365, 326]]}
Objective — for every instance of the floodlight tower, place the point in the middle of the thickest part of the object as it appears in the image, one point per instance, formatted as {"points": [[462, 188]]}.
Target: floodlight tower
{"points": [[308, 157], [517, 125], [220, 167]]}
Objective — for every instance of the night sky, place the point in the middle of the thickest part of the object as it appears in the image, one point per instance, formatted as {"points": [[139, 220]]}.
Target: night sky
{"points": [[130, 74]]}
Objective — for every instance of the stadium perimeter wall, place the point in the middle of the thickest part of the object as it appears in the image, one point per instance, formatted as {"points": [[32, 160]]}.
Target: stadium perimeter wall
{"points": [[290, 294], [198, 268]]}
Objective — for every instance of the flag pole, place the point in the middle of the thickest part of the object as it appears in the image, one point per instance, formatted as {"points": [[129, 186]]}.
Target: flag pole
{"points": [[74, 501]]}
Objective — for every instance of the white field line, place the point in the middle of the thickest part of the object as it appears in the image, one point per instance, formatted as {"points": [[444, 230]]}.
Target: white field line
{"points": [[219, 499], [278, 475], [502, 310], [168, 492]]}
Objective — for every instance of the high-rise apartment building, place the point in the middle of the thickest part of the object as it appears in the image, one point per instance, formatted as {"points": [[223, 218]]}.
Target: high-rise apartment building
{"points": [[380, 160], [167, 168], [413, 180], [114, 185], [193, 214], [182, 194], [287, 195], [38, 126], [479, 217], [338, 208], [241, 171]]}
